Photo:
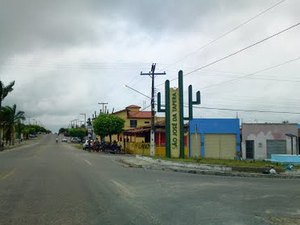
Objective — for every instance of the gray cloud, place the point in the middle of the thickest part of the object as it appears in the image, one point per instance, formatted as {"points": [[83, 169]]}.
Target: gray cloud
{"points": [[66, 56], [26, 25]]}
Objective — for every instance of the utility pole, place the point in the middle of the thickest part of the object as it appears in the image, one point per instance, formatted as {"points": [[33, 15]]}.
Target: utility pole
{"points": [[152, 74], [103, 104], [84, 114]]}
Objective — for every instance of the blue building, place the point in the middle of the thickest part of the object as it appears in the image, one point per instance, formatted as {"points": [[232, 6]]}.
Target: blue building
{"points": [[214, 138]]}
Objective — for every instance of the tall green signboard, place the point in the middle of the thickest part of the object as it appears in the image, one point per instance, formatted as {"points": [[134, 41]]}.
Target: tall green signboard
{"points": [[174, 116], [174, 124]]}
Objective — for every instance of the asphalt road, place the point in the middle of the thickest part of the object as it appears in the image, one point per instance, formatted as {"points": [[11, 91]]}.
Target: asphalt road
{"points": [[49, 183]]}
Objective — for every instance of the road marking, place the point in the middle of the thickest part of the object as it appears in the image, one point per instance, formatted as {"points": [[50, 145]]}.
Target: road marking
{"points": [[7, 175], [123, 189], [88, 162]]}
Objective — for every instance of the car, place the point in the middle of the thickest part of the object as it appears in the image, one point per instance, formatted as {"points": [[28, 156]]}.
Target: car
{"points": [[64, 140], [75, 140], [32, 135]]}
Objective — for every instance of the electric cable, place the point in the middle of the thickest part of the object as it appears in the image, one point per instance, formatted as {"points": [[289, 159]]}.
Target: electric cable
{"points": [[254, 73], [238, 51], [228, 32]]}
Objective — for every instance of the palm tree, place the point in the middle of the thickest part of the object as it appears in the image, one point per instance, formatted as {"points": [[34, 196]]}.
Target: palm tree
{"points": [[10, 118], [4, 90]]}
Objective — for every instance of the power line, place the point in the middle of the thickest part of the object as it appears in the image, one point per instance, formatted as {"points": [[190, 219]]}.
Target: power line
{"points": [[228, 32], [239, 51], [243, 49], [246, 110], [254, 78], [252, 74]]}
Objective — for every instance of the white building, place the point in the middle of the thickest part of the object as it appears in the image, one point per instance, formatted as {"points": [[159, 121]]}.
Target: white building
{"points": [[260, 140]]}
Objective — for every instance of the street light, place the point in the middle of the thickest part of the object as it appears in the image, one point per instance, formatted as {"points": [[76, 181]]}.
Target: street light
{"points": [[131, 88]]}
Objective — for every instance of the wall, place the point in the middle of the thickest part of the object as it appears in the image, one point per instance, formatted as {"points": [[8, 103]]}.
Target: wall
{"points": [[139, 148], [260, 133], [140, 122], [204, 127]]}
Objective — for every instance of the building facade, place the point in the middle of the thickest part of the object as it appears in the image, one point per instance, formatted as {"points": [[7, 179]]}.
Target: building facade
{"points": [[214, 138], [260, 141], [134, 119]]}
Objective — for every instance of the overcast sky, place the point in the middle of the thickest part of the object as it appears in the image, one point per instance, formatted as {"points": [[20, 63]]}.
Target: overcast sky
{"points": [[67, 56]]}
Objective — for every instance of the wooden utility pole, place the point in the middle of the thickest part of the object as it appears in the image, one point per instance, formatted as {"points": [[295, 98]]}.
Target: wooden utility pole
{"points": [[152, 74]]}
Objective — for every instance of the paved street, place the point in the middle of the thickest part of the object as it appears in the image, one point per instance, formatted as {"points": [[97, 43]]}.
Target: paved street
{"points": [[49, 183]]}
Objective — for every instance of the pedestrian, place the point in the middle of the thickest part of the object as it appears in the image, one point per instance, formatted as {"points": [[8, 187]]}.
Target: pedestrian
{"points": [[272, 170]]}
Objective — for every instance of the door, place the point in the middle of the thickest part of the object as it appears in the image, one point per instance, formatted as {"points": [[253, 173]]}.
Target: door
{"points": [[212, 146], [249, 149], [227, 146], [276, 147], [220, 146]]}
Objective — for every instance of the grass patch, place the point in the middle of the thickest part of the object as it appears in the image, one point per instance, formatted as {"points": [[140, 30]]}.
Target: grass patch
{"points": [[78, 146], [236, 165]]}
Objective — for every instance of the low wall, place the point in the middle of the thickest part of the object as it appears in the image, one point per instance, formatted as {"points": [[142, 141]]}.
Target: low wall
{"points": [[139, 148], [286, 159]]}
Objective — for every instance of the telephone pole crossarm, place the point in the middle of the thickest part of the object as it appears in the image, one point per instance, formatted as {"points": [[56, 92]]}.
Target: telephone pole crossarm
{"points": [[152, 74]]}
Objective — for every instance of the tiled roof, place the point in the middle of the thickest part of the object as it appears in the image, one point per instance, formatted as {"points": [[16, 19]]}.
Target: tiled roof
{"points": [[140, 115], [128, 108], [133, 106]]}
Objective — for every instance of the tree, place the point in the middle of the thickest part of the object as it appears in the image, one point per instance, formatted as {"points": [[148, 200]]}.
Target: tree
{"points": [[78, 132], [4, 90], [108, 125], [10, 118], [63, 130]]}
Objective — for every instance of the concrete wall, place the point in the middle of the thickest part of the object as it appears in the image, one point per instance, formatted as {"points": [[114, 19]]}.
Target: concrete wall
{"points": [[140, 121], [144, 149], [260, 133]]}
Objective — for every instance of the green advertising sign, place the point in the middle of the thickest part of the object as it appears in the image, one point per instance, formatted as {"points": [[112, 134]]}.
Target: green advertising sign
{"points": [[174, 122], [174, 116]]}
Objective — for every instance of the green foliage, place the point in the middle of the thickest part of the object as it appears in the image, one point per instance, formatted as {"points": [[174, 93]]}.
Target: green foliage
{"points": [[33, 129], [77, 132], [37, 129], [4, 90], [9, 120], [108, 125], [63, 130]]}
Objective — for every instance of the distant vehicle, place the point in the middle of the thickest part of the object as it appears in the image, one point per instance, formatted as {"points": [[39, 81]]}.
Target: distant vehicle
{"points": [[75, 140], [32, 135], [64, 140]]}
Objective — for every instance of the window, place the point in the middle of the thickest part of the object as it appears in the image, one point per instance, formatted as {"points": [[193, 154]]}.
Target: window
{"points": [[133, 123], [147, 122]]}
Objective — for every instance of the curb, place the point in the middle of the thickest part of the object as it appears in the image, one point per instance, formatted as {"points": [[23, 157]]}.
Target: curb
{"points": [[132, 165], [228, 173]]}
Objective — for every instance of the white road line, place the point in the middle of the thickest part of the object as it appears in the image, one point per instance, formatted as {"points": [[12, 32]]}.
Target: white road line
{"points": [[123, 189], [88, 162], [4, 176]]}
